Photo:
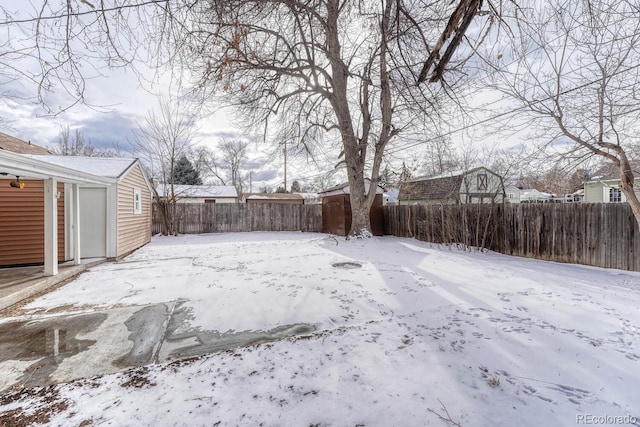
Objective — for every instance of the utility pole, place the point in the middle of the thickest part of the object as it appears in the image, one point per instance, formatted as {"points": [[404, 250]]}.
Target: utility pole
{"points": [[285, 164], [250, 181]]}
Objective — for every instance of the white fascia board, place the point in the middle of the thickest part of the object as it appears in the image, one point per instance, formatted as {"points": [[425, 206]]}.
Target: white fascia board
{"points": [[14, 164], [112, 222]]}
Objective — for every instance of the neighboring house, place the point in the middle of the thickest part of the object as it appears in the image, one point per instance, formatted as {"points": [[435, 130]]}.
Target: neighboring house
{"points": [[578, 195], [604, 184], [336, 210], [478, 185], [575, 197], [201, 193], [512, 193], [531, 195]]}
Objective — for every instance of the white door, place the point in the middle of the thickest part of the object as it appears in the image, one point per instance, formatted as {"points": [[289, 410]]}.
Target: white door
{"points": [[93, 222]]}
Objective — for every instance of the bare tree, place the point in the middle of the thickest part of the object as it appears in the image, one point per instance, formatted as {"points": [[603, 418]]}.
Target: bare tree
{"points": [[56, 45], [342, 71], [225, 163], [439, 157], [345, 71], [208, 164], [574, 70], [74, 144], [160, 141], [234, 159]]}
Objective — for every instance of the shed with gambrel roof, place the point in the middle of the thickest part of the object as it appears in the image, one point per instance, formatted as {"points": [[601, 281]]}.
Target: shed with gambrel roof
{"points": [[477, 185]]}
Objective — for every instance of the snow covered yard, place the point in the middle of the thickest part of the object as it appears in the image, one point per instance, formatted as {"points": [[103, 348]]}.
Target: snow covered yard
{"points": [[407, 334]]}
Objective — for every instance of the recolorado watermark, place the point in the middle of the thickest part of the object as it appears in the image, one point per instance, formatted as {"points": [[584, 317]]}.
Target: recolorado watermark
{"points": [[606, 419]]}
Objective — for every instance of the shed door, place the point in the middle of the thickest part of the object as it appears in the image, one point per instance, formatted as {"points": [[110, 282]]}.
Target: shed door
{"points": [[93, 222]]}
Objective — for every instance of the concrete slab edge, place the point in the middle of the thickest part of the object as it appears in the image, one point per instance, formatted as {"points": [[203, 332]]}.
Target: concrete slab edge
{"points": [[44, 283]]}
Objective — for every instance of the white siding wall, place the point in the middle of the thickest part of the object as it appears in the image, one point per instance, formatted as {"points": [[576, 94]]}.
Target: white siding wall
{"points": [[134, 230]]}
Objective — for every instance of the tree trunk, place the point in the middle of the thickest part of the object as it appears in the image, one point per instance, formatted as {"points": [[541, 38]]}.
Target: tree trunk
{"points": [[632, 199], [162, 208], [627, 186], [360, 215], [353, 146]]}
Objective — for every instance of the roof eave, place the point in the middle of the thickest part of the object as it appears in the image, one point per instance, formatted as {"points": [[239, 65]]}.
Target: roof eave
{"points": [[27, 167]]}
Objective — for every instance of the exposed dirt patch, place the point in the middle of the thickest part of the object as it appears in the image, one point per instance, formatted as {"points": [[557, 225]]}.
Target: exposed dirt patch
{"points": [[348, 265], [183, 362], [138, 378], [43, 403]]}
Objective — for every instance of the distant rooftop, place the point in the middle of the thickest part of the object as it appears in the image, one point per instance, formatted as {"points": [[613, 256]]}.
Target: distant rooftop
{"points": [[450, 174], [200, 191], [441, 188], [612, 171], [273, 196], [15, 145]]}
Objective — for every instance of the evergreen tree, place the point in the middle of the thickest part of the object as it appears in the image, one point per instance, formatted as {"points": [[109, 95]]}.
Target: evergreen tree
{"points": [[385, 177], [405, 173], [184, 173]]}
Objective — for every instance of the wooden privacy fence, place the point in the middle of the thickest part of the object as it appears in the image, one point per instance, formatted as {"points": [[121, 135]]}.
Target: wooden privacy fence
{"points": [[598, 234], [228, 217]]}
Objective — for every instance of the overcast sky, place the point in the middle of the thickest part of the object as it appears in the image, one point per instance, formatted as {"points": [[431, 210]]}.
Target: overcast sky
{"points": [[116, 104]]}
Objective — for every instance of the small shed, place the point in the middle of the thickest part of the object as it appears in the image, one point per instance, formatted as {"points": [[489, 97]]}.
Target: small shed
{"points": [[336, 210], [477, 185]]}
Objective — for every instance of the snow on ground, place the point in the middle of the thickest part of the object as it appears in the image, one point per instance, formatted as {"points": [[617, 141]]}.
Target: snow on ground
{"points": [[416, 335]]}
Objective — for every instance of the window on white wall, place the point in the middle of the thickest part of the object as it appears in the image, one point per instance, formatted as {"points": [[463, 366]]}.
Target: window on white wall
{"points": [[615, 195], [137, 201]]}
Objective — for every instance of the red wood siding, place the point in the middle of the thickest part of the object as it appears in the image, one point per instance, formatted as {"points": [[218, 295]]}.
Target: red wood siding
{"points": [[22, 223]]}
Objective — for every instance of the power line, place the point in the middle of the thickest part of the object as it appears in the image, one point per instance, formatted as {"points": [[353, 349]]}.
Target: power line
{"points": [[93, 11], [505, 113], [488, 119]]}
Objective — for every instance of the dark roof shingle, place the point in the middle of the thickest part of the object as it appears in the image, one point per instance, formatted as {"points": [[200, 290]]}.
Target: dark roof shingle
{"points": [[431, 189], [15, 145], [612, 171]]}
